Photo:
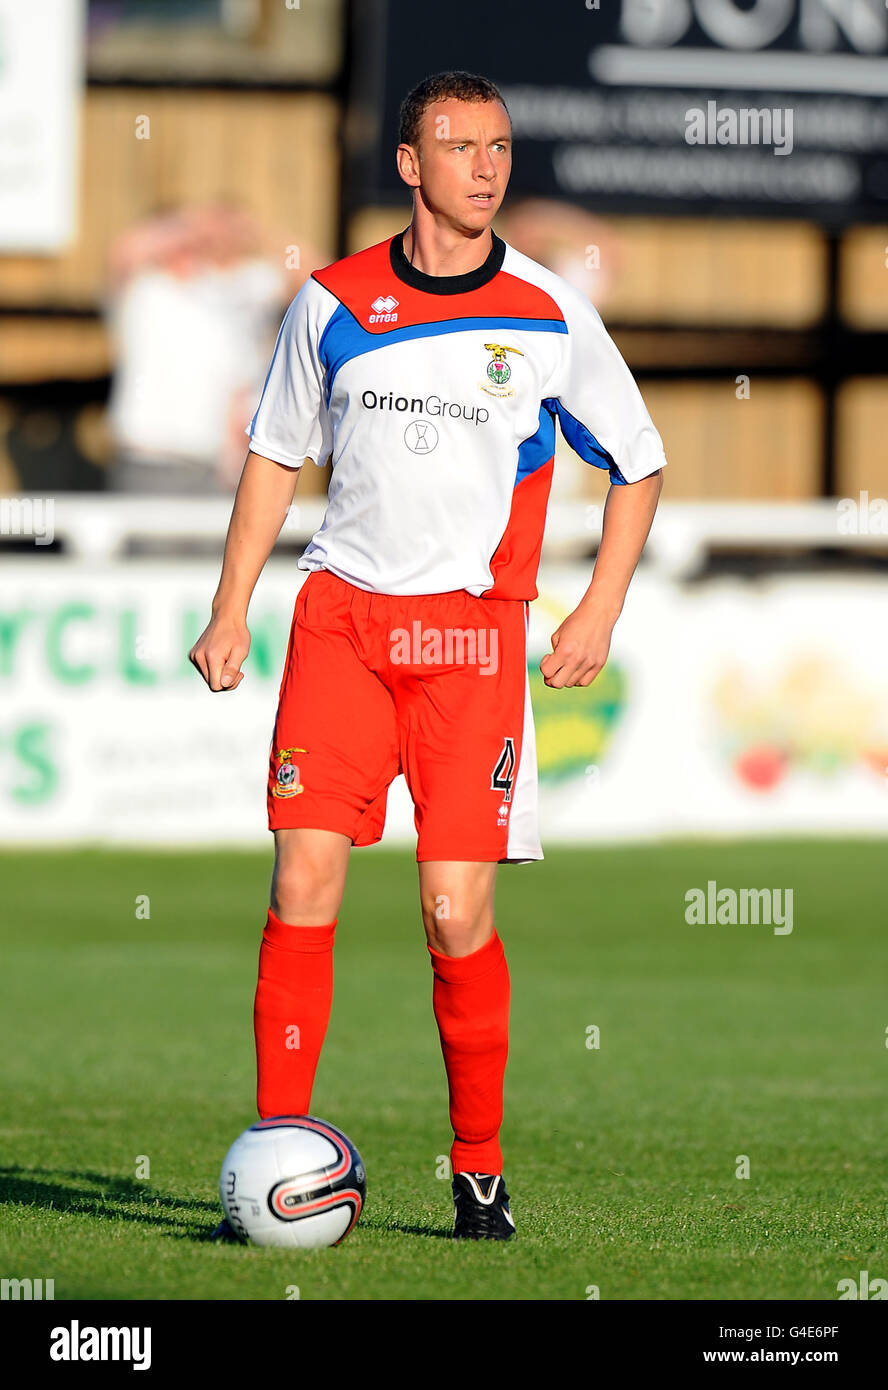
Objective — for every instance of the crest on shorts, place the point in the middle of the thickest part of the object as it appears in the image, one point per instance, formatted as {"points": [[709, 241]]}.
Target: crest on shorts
{"points": [[287, 780]]}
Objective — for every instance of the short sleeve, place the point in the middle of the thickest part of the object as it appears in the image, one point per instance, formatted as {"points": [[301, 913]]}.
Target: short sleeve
{"points": [[291, 422], [598, 403]]}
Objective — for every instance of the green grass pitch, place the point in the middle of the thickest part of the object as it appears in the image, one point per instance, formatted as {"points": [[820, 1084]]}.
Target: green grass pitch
{"points": [[125, 1038]]}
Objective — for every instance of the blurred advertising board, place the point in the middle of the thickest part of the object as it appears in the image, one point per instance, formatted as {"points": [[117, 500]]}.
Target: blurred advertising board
{"points": [[726, 708], [765, 107], [41, 77]]}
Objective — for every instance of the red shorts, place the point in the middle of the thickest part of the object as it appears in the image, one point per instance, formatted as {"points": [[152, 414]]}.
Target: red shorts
{"points": [[431, 685]]}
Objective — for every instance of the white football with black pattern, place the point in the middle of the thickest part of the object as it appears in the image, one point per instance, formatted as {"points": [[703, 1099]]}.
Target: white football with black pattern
{"points": [[293, 1180]]}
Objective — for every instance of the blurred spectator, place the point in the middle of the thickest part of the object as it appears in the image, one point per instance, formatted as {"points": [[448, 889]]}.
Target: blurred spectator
{"points": [[580, 247], [195, 301]]}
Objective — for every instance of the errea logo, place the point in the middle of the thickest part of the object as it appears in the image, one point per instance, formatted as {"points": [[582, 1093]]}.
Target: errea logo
{"points": [[382, 307]]}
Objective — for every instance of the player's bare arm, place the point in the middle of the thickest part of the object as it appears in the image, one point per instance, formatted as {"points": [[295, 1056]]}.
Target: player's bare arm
{"points": [[264, 493], [582, 642]]}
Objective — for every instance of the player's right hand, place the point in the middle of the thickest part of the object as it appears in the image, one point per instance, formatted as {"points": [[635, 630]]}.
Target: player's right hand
{"points": [[219, 652]]}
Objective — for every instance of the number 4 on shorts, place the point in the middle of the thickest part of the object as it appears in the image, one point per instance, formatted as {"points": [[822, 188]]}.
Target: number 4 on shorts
{"points": [[504, 772]]}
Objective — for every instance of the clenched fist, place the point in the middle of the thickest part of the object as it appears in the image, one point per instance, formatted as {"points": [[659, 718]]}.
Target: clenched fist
{"points": [[220, 651]]}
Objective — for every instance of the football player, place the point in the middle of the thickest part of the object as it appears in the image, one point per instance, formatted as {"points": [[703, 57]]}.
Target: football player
{"points": [[434, 368]]}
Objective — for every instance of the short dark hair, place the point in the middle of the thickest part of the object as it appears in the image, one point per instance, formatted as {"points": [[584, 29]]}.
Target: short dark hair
{"points": [[442, 86]]}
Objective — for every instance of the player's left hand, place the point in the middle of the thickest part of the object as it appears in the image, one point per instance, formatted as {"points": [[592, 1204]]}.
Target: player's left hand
{"points": [[581, 645]]}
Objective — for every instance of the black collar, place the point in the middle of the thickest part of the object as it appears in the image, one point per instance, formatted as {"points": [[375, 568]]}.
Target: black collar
{"points": [[445, 284]]}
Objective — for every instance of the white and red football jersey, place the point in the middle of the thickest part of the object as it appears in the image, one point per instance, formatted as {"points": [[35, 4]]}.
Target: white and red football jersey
{"points": [[437, 397]]}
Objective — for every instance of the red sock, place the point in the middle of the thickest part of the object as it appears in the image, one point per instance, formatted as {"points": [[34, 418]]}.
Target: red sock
{"points": [[470, 996], [294, 994]]}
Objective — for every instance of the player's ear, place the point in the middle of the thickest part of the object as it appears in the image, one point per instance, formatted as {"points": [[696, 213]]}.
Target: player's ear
{"points": [[407, 161]]}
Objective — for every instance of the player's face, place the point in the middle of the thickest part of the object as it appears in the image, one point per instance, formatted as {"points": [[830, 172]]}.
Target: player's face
{"points": [[465, 158]]}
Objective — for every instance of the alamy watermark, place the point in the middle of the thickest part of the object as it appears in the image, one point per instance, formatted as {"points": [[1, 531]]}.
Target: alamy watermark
{"points": [[29, 1290], [28, 516], [714, 906], [863, 1287], [744, 125], [76, 1343], [862, 515], [449, 646]]}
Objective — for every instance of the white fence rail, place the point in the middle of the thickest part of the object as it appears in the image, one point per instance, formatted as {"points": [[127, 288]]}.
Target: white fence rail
{"points": [[101, 527]]}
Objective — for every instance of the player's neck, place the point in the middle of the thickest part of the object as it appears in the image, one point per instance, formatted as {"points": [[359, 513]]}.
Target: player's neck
{"points": [[438, 250]]}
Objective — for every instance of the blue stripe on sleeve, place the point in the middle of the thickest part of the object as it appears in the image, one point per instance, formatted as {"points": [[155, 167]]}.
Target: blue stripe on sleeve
{"points": [[583, 442]]}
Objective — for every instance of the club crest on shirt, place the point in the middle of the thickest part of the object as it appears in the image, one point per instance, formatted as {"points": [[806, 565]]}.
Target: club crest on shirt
{"points": [[498, 370], [287, 780]]}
